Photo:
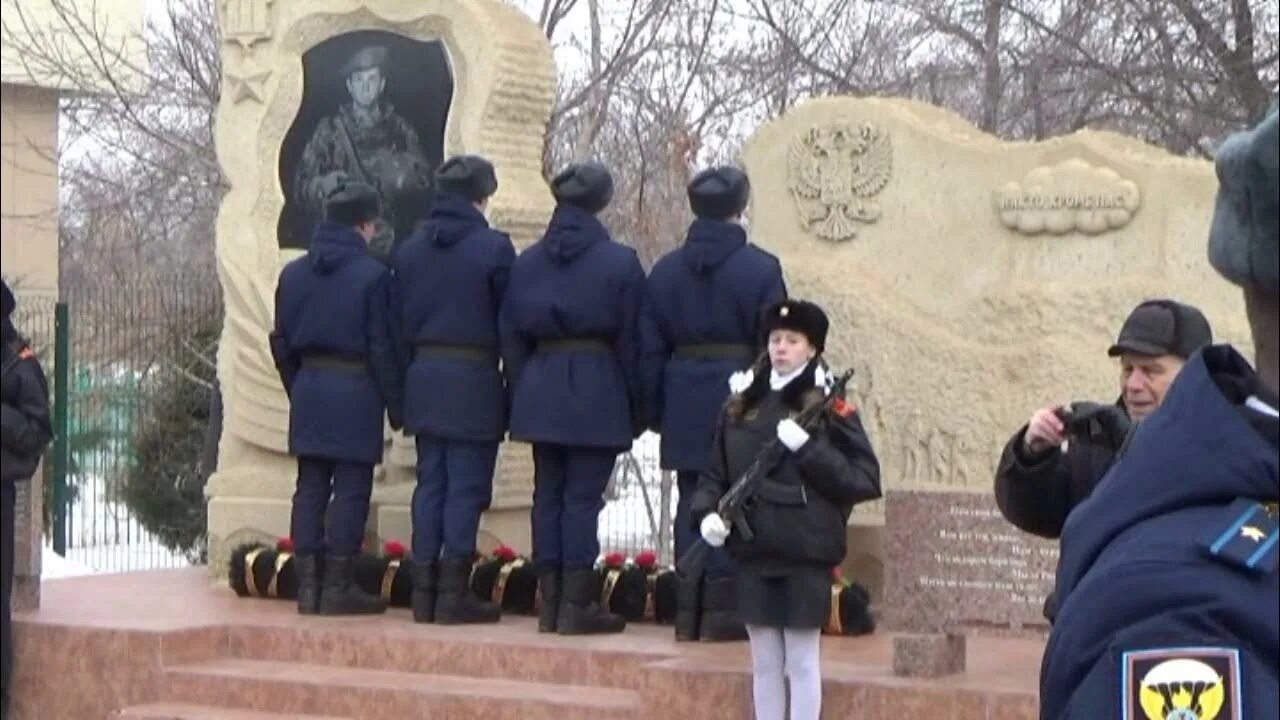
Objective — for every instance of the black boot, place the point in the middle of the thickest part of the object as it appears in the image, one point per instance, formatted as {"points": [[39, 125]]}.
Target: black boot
{"points": [[580, 611], [308, 569], [424, 591], [456, 604], [549, 582], [339, 594], [720, 621], [688, 608]]}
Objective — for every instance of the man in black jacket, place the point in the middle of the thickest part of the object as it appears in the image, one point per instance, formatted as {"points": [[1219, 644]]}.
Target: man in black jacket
{"points": [[1054, 461], [25, 431]]}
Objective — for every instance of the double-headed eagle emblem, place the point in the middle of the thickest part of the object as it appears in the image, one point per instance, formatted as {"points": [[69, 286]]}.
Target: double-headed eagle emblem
{"points": [[834, 172]]}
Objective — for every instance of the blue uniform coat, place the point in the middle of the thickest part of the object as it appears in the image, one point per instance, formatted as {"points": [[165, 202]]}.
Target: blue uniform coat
{"points": [[709, 291], [450, 278], [1136, 574], [574, 284], [334, 304]]}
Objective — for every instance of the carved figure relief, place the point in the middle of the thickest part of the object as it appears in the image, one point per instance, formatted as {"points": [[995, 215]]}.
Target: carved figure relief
{"points": [[247, 22], [1071, 196], [932, 455], [834, 172]]}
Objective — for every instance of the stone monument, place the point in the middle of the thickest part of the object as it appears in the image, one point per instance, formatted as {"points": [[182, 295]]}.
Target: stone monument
{"points": [[382, 90], [970, 281]]}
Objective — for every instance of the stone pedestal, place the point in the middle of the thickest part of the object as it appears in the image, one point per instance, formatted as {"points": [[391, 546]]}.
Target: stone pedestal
{"points": [[28, 551], [928, 655], [503, 86]]}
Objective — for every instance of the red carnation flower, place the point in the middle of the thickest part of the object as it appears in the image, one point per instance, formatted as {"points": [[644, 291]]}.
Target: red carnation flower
{"points": [[842, 408], [837, 573], [647, 559], [284, 545], [615, 560], [504, 553], [393, 549]]}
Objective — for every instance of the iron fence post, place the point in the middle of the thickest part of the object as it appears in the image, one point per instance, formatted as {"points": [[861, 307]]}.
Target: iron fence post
{"points": [[61, 424]]}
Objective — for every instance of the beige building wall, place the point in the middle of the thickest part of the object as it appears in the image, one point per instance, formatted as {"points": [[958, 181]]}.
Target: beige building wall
{"points": [[29, 188]]}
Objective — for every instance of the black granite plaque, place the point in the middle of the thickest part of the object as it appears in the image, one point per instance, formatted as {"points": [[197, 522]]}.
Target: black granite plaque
{"points": [[374, 109]]}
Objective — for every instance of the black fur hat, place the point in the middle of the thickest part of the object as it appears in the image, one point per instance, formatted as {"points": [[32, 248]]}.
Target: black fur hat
{"points": [[470, 176], [588, 186], [719, 193], [1244, 238], [801, 316], [351, 203]]}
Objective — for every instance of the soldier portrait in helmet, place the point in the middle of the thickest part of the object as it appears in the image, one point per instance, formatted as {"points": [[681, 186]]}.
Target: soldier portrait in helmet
{"points": [[374, 109]]}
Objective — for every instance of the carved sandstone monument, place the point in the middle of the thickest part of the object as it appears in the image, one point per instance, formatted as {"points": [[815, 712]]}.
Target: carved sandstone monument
{"points": [[386, 88], [971, 281]]}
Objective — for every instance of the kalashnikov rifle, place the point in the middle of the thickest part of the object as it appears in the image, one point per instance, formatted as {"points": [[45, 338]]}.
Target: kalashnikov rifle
{"points": [[733, 504]]}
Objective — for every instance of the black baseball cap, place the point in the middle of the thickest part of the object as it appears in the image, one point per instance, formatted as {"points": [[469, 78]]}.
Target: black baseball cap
{"points": [[1163, 327]]}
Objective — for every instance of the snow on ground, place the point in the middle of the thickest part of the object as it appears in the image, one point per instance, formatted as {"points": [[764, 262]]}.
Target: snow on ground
{"points": [[53, 566], [104, 537]]}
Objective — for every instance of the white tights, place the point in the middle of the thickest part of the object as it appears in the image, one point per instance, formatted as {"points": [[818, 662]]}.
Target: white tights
{"points": [[776, 655]]}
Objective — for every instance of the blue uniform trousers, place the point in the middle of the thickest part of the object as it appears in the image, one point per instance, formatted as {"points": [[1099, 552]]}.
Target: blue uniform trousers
{"points": [[720, 564], [455, 485], [349, 485], [568, 495]]}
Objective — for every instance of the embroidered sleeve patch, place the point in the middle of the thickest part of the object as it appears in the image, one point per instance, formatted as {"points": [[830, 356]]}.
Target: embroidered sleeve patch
{"points": [[1191, 683], [1247, 537]]}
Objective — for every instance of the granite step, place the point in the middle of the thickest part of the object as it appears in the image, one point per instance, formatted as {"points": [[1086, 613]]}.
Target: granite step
{"points": [[185, 711], [364, 694], [512, 650]]}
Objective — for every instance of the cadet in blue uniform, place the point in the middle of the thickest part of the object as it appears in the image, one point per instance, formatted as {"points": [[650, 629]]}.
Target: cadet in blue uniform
{"points": [[1168, 582], [333, 348], [450, 277], [572, 357], [702, 322]]}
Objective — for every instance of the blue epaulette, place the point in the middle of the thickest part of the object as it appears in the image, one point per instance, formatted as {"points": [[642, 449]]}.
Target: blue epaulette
{"points": [[1248, 536]]}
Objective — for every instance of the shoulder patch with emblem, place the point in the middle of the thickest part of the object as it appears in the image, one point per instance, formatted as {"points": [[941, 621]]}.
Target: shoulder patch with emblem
{"points": [[1188, 683], [1247, 537]]}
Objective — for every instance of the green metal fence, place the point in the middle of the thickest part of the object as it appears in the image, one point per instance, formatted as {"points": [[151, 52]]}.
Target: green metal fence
{"points": [[132, 374]]}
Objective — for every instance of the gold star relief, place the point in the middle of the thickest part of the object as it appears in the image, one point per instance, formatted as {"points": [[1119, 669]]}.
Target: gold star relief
{"points": [[1252, 533], [251, 86]]}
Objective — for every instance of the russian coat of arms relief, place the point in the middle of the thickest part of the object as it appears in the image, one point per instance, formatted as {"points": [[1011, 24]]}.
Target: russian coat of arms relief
{"points": [[834, 173]]}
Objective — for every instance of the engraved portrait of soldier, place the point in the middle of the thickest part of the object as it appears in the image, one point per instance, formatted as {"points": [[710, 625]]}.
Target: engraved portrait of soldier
{"points": [[374, 109]]}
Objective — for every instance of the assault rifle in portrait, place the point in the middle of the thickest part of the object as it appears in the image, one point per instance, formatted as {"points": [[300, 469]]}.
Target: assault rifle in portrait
{"points": [[734, 503]]}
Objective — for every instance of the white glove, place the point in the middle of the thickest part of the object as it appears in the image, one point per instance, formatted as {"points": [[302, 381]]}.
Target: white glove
{"points": [[714, 530], [740, 381], [792, 435]]}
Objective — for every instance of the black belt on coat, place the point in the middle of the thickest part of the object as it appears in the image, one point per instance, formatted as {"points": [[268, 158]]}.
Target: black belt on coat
{"points": [[730, 351], [334, 362], [575, 344], [473, 353]]}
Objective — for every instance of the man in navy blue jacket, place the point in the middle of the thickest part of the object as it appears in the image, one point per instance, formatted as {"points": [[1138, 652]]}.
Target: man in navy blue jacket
{"points": [[1167, 581], [571, 352], [450, 278], [702, 322], [333, 348]]}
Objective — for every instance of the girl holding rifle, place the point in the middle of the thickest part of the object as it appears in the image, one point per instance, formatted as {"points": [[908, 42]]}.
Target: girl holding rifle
{"points": [[799, 512]]}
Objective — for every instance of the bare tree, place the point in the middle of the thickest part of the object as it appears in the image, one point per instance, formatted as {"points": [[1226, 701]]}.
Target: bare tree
{"points": [[140, 178]]}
